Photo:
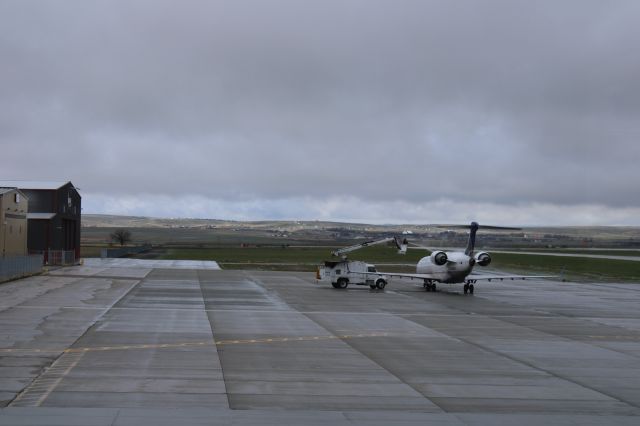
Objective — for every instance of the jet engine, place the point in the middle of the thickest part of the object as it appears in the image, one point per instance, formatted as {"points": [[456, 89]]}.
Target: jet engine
{"points": [[438, 258], [483, 259]]}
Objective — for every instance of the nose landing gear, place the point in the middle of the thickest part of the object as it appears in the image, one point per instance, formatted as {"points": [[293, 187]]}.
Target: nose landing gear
{"points": [[468, 287]]}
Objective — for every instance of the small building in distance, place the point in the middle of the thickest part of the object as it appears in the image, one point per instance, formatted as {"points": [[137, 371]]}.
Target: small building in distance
{"points": [[53, 216], [13, 222]]}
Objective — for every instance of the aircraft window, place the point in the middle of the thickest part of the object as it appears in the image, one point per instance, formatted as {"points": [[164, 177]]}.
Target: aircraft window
{"points": [[338, 271]]}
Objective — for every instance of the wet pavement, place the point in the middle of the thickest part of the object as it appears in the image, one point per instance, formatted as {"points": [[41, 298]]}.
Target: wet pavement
{"points": [[133, 343]]}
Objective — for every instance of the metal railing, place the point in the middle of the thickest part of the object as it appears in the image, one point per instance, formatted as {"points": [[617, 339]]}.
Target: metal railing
{"points": [[20, 266], [61, 257], [56, 257]]}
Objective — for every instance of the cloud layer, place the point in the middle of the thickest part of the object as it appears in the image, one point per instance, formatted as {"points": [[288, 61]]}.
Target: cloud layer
{"points": [[280, 106]]}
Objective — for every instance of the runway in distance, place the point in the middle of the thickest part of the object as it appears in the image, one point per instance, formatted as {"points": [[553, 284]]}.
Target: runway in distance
{"points": [[455, 267]]}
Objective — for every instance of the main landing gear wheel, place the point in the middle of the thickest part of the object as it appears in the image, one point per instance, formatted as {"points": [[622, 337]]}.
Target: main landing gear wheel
{"points": [[471, 288], [466, 288], [343, 283], [430, 286], [380, 284]]}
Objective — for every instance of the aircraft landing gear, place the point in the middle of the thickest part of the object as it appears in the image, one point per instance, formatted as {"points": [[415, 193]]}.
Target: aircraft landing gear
{"points": [[429, 285], [468, 288]]}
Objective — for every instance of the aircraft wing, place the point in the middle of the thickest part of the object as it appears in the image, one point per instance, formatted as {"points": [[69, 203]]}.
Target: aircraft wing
{"points": [[400, 275], [469, 277], [507, 277]]}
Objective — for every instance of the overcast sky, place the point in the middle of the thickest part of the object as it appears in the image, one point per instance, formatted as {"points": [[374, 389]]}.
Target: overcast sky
{"points": [[506, 112]]}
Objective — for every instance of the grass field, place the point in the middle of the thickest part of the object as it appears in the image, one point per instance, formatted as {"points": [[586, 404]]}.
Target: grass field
{"points": [[307, 257], [605, 252], [90, 251], [386, 258], [573, 268]]}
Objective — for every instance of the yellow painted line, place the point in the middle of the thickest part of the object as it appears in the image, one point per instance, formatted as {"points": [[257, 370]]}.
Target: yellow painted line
{"points": [[226, 342], [60, 365], [30, 351], [257, 341]]}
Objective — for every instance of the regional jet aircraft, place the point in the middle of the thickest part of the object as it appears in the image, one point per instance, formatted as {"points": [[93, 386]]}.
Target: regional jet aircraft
{"points": [[455, 267]]}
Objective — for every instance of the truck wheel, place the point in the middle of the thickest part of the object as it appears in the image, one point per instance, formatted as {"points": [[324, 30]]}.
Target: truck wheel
{"points": [[334, 285], [343, 283], [380, 284], [372, 286]]}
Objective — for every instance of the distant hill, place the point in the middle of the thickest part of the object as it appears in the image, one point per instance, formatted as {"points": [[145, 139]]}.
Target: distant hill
{"points": [[114, 221], [111, 221]]}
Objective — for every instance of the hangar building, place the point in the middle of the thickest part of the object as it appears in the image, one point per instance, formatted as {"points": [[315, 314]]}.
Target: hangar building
{"points": [[53, 216]]}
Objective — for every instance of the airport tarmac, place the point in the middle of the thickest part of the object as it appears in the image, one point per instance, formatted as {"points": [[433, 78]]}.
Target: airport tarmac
{"points": [[133, 344]]}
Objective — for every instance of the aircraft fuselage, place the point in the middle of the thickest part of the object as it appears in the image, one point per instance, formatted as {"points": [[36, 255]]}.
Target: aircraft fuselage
{"points": [[456, 270]]}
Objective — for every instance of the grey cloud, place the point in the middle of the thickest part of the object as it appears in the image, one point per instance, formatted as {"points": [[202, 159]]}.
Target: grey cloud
{"points": [[409, 101]]}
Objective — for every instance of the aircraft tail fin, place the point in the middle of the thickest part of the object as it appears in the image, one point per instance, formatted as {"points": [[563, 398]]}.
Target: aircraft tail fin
{"points": [[402, 246], [471, 244]]}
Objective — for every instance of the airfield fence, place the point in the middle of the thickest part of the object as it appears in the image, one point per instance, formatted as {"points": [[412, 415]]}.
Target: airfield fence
{"points": [[123, 251], [20, 266], [61, 257], [56, 257]]}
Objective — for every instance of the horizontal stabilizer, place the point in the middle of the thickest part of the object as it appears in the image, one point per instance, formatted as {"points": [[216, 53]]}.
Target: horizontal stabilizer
{"points": [[499, 228]]}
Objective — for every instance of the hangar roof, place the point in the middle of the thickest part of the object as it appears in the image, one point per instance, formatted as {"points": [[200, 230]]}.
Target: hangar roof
{"points": [[32, 184], [5, 189]]}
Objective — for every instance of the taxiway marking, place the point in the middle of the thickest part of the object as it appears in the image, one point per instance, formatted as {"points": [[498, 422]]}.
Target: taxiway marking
{"points": [[40, 389], [226, 342], [200, 344], [354, 335]]}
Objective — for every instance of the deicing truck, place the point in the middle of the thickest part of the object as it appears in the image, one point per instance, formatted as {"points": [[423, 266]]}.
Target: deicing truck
{"points": [[341, 273]]}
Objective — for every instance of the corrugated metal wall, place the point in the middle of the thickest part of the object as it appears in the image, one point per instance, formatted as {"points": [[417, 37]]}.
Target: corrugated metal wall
{"points": [[20, 266]]}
